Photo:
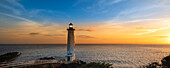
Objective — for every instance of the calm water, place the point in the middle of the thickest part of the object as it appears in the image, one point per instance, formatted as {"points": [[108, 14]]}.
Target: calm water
{"points": [[119, 55]]}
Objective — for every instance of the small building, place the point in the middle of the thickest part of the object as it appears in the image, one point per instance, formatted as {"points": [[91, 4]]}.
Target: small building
{"points": [[70, 44]]}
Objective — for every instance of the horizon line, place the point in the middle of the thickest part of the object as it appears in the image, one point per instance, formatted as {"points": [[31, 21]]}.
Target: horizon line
{"points": [[78, 44]]}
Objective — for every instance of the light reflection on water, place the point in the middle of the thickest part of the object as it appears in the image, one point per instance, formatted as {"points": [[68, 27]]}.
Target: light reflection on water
{"points": [[119, 55]]}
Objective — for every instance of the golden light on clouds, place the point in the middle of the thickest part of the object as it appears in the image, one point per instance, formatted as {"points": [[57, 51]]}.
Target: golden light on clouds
{"points": [[154, 31], [149, 31]]}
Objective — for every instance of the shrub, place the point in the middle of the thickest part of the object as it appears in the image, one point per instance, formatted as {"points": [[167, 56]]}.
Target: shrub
{"points": [[97, 65]]}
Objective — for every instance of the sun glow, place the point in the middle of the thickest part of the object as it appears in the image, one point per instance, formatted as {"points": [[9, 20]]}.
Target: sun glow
{"points": [[168, 40], [140, 23]]}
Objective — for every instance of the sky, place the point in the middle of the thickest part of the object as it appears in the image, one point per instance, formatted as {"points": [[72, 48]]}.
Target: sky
{"points": [[95, 21]]}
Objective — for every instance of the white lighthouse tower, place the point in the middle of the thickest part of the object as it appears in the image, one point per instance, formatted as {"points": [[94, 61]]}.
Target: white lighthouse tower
{"points": [[70, 44]]}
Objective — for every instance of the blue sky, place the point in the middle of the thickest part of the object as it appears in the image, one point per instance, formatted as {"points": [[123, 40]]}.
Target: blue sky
{"points": [[100, 20], [62, 11]]}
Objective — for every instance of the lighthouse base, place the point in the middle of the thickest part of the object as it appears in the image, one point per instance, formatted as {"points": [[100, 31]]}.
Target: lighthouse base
{"points": [[69, 58]]}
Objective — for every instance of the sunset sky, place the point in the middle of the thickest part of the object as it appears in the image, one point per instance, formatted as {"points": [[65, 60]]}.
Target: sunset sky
{"points": [[95, 21]]}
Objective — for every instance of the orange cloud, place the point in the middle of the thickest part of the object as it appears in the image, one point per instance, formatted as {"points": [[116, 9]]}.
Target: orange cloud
{"points": [[34, 33], [85, 36], [136, 32], [54, 35], [139, 27], [89, 30], [162, 36]]}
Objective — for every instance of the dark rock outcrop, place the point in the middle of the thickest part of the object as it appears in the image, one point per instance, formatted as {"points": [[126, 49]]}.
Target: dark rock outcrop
{"points": [[165, 63], [47, 58], [9, 56]]}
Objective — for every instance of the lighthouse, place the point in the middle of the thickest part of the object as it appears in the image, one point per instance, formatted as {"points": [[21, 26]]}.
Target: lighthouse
{"points": [[70, 44]]}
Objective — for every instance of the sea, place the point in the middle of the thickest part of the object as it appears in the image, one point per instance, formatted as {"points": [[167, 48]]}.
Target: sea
{"points": [[120, 55]]}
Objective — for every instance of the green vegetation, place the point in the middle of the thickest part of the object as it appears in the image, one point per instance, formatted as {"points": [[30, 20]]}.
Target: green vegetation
{"points": [[165, 63], [97, 65], [9, 56], [74, 64]]}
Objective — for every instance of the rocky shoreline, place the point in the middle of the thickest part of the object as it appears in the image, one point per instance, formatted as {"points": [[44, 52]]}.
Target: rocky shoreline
{"points": [[57, 64], [9, 56], [50, 62], [47, 62]]}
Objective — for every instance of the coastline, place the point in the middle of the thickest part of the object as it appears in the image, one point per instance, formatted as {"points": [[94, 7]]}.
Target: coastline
{"points": [[165, 63], [115, 54], [51, 62]]}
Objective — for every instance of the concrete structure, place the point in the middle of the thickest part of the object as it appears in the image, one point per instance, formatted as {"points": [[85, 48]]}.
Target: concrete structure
{"points": [[70, 44]]}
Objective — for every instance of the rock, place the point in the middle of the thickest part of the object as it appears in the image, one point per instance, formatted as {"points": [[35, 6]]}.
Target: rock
{"points": [[9, 56], [47, 58], [166, 62]]}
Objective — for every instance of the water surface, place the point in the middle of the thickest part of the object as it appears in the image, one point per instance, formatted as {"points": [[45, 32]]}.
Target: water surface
{"points": [[124, 55]]}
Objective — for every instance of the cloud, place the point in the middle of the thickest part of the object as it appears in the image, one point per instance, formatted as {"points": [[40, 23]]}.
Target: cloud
{"points": [[13, 6], [17, 17], [145, 11], [152, 30], [16, 3], [161, 36], [54, 35], [15, 11], [139, 27], [78, 2], [85, 36], [34, 33], [115, 1], [37, 33], [101, 6], [28, 26], [98, 3], [89, 30]]}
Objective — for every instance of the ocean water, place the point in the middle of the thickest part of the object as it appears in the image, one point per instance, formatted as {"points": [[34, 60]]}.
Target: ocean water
{"points": [[120, 55]]}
